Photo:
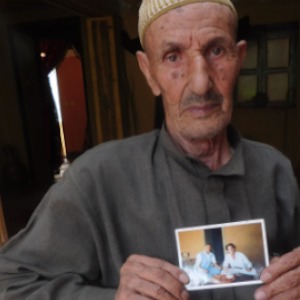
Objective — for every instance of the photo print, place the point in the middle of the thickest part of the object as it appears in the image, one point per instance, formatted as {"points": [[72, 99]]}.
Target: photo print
{"points": [[223, 255]]}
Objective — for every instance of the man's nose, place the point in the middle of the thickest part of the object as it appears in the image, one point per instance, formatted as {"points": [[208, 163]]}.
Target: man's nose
{"points": [[200, 80]]}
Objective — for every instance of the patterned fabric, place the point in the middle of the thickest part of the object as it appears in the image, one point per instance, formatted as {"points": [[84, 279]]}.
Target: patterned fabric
{"points": [[152, 9]]}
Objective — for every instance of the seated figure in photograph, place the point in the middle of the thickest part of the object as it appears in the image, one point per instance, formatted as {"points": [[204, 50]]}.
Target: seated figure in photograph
{"points": [[204, 269], [206, 262], [237, 263]]}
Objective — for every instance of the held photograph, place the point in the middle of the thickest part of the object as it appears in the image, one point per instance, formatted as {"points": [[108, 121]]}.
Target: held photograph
{"points": [[223, 255]]}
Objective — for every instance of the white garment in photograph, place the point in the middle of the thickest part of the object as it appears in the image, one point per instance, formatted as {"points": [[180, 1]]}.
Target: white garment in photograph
{"points": [[239, 264]]}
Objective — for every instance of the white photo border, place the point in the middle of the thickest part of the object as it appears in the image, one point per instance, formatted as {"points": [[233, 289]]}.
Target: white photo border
{"points": [[223, 225]]}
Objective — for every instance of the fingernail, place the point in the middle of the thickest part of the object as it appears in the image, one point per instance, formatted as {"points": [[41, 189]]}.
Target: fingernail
{"points": [[184, 278], [265, 277], [260, 295]]}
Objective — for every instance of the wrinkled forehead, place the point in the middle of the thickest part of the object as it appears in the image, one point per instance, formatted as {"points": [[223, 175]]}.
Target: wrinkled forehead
{"points": [[196, 19], [150, 10]]}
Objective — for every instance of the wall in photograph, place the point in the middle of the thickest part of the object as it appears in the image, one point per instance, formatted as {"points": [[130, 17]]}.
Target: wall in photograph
{"points": [[248, 239], [192, 242]]}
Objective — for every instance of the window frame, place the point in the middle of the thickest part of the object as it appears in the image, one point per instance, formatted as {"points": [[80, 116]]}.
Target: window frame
{"points": [[261, 34]]}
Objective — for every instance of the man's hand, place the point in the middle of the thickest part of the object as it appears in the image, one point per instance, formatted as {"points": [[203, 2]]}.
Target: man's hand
{"points": [[143, 277], [281, 278]]}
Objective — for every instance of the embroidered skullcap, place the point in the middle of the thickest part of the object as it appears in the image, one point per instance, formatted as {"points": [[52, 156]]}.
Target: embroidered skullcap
{"points": [[152, 9]]}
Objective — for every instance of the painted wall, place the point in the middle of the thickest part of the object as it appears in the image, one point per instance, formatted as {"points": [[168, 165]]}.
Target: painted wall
{"points": [[191, 242]]}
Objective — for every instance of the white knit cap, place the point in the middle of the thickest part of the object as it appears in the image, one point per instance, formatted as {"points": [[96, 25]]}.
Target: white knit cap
{"points": [[152, 9]]}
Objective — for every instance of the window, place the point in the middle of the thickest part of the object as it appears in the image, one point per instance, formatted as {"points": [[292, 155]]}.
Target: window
{"points": [[268, 75]]}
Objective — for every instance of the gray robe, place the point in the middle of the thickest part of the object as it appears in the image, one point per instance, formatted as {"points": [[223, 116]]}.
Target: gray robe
{"points": [[129, 196]]}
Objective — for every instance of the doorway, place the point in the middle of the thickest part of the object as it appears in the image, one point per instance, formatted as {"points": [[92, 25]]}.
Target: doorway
{"points": [[60, 42]]}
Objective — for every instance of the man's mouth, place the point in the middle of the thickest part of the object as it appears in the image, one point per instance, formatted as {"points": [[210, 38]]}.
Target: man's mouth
{"points": [[201, 106], [202, 110]]}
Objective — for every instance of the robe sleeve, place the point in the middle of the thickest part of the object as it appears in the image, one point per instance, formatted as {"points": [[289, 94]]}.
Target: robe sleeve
{"points": [[55, 257]]}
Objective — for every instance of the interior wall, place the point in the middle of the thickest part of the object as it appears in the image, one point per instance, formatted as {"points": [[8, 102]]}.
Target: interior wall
{"points": [[144, 101], [192, 242], [279, 127]]}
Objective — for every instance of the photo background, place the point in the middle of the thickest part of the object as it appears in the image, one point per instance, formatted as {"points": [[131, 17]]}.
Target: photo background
{"points": [[248, 239]]}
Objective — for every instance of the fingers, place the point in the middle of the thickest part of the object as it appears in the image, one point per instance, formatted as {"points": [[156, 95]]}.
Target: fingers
{"points": [[275, 259], [280, 266], [288, 283], [282, 278], [292, 294], [159, 264], [143, 277]]}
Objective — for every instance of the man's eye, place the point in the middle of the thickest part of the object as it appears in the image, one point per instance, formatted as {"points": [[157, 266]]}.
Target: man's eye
{"points": [[217, 51], [172, 57]]}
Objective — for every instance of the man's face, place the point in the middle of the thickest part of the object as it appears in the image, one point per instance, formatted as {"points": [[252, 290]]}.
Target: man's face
{"points": [[231, 250], [192, 60], [207, 248]]}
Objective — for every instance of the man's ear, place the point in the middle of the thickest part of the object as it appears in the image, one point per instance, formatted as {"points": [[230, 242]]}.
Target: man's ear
{"points": [[145, 68], [242, 47]]}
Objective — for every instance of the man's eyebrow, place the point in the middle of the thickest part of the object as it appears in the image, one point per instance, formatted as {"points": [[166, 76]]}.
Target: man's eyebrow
{"points": [[217, 40], [171, 46], [168, 46]]}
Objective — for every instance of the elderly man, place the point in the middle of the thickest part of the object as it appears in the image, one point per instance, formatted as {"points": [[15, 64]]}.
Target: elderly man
{"points": [[106, 231]]}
